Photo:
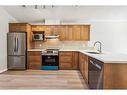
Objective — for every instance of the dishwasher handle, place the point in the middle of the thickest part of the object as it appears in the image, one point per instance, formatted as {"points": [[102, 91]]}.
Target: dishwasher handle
{"points": [[95, 64]]}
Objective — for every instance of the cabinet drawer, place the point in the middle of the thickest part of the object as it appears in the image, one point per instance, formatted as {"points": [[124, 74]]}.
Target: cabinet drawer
{"points": [[34, 53], [34, 66], [35, 58], [65, 58], [65, 65], [68, 53]]}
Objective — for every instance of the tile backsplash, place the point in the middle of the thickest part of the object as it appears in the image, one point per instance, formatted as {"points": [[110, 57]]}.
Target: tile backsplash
{"points": [[60, 44]]}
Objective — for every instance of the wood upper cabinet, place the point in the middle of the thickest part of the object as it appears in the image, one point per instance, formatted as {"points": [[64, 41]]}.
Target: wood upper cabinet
{"points": [[34, 60], [63, 31], [48, 30], [68, 60], [22, 27], [56, 30], [14, 27], [85, 32], [76, 32], [38, 27], [69, 33], [66, 32]]}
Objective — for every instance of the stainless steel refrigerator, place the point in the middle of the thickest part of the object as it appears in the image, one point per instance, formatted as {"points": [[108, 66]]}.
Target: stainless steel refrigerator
{"points": [[17, 50]]}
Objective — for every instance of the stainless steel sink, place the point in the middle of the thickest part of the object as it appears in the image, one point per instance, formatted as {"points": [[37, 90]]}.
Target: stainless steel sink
{"points": [[93, 52]]}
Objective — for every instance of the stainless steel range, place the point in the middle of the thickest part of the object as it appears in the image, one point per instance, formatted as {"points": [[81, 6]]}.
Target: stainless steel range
{"points": [[50, 59]]}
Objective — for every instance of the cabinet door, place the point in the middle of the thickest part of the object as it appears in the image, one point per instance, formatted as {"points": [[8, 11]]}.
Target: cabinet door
{"points": [[86, 67], [48, 30], [34, 60], [69, 32], [16, 27], [85, 32], [65, 60], [56, 30], [83, 65], [76, 32], [80, 62], [63, 32], [75, 60]]}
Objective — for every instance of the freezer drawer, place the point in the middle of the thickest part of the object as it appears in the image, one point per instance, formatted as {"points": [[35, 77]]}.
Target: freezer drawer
{"points": [[16, 62]]}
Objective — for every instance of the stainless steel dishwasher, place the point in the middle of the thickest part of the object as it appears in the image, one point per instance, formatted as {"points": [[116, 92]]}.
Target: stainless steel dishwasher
{"points": [[95, 73]]}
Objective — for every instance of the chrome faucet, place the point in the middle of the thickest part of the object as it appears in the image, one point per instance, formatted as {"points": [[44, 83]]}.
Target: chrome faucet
{"points": [[100, 49]]}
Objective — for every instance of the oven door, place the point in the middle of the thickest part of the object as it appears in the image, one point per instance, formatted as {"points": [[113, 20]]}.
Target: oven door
{"points": [[50, 62]]}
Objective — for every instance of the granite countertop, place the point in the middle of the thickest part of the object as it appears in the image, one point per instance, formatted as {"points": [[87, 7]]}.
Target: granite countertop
{"points": [[105, 57]]}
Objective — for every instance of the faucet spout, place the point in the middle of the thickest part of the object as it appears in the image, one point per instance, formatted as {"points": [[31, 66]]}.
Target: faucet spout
{"points": [[100, 47]]}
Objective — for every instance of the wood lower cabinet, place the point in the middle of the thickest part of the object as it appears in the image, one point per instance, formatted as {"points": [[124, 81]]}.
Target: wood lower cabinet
{"points": [[86, 67], [115, 76], [68, 60], [75, 60], [34, 60], [65, 59], [83, 65]]}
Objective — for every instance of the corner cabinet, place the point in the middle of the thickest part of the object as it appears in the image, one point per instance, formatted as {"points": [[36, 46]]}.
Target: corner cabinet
{"points": [[34, 60]]}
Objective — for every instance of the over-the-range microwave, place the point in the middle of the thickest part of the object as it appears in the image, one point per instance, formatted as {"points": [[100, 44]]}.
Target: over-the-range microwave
{"points": [[38, 36]]}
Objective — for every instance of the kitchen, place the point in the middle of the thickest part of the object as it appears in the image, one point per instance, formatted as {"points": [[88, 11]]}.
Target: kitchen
{"points": [[84, 49]]}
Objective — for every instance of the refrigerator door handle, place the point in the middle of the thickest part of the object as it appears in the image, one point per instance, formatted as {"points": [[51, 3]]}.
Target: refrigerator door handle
{"points": [[17, 44]]}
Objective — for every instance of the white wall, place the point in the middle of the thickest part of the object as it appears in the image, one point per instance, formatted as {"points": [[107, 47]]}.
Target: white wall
{"points": [[112, 34], [5, 18]]}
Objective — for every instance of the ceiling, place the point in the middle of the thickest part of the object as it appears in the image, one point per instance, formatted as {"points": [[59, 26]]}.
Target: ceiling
{"points": [[67, 13]]}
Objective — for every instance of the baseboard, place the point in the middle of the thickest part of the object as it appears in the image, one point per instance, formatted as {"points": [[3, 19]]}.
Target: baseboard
{"points": [[1, 71]]}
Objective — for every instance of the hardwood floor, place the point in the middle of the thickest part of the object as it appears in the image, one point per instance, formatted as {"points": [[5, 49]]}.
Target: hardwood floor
{"points": [[39, 79]]}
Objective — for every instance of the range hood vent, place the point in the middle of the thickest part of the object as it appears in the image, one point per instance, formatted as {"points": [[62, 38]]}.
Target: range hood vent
{"points": [[52, 37]]}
